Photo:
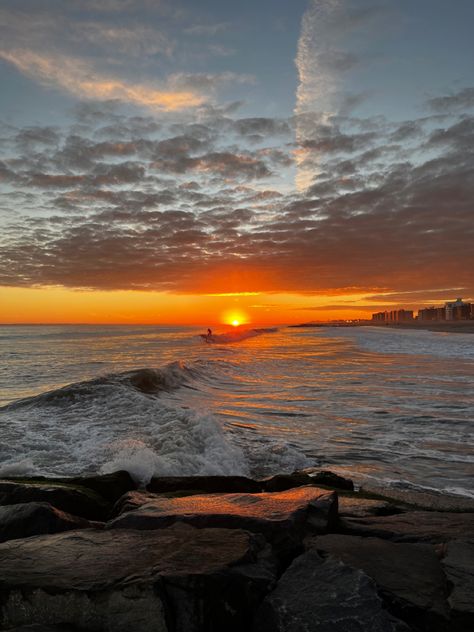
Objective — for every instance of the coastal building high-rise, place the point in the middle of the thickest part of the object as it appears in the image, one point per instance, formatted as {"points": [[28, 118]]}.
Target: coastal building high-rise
{"points": [[394, 316], [452, 311], [458, 310]]}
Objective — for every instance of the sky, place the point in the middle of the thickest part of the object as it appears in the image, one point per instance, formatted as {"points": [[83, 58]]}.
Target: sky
{"points": [[198, 161]]}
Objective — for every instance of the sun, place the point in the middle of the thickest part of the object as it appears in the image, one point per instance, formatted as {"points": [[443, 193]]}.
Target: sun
{"points": [[234, 317]]}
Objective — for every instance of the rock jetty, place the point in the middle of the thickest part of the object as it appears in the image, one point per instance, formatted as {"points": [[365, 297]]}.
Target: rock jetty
{"points": [[292, 553]]}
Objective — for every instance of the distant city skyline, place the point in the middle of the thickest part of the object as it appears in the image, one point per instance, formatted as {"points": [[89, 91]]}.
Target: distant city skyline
{"points": [[188, 161]]}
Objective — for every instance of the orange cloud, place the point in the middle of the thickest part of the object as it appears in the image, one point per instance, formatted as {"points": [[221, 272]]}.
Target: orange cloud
{"points": [[78, 78]]}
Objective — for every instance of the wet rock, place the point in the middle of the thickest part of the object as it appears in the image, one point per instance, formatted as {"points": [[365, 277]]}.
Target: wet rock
{"points": [[430, 501], [458, 564], [281, 517], [357, 506], [282, 482], [28, 519], [413, 526], [180, 579], [77, 501], [408, 576], [109, 486], [204, 484], [43, 628], [329, 479], [324, 595]]}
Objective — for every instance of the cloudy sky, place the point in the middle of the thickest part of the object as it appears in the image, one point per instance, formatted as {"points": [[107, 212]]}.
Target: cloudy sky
{"points": [[171, 160]]}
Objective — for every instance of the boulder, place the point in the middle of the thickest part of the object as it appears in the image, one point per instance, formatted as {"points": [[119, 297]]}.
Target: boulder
{"points": [[458, 564], [324, 595], [358, 506], [110, 486], [42, 628], [413, 526], [78, 501], [408, 576], [27, 519], [282, 517], [282, 482], [330, 479], [180, 578], [204, 484], [430, 501]]}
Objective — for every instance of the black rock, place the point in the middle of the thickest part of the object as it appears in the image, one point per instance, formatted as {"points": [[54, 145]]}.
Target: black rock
{"points": [[329, 479], [109, 486], [430, 501], [78, 501], [181, 579], [408, 576], [28, 519], [324, 595], [458, 564], [204, 484], [37, 627], [282, 482], [413, 526]]}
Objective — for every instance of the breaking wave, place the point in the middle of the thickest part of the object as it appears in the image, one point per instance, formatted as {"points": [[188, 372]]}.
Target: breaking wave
{"points": [[137, 420]]}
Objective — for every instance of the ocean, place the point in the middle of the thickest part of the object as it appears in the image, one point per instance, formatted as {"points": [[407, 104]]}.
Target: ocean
{"points": [[376, 404]]}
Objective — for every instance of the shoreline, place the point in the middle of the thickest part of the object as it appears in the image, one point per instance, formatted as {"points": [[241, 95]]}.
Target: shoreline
{"points": [[461, 327]]}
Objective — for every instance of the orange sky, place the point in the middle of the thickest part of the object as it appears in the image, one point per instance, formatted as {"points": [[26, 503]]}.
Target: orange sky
{"points": [[60, 305]]}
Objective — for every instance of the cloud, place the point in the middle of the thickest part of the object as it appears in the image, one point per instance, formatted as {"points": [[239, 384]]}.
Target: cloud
{"points": [[193, 204], [78, 78], [207, 29], [464, 99]]}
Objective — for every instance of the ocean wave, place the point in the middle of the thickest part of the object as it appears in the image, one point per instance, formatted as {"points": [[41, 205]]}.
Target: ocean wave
{"points": [[142, 421], [147, 381]]}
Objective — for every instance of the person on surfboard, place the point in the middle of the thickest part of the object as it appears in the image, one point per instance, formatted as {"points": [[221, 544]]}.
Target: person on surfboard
{"points": [[209, 332]]}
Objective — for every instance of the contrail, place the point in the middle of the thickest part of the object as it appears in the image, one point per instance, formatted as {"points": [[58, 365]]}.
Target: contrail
{"points": [[317, 79]]}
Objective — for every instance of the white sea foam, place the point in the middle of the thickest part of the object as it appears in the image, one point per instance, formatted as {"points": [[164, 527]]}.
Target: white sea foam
{"points": [[14, 467]]}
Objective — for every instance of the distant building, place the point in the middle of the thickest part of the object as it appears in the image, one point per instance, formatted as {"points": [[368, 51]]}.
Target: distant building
{"points": [[428, 314], [458, 310], [452, 310], [394, 316]]}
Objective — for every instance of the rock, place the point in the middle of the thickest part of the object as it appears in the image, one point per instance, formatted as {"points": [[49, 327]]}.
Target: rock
{"points": [[42, 628], [27, 519], [77, 501], [281, 517], [109, 486], [430, 501], [359, 506], [458, 564], [413, 526], [317, 595], [204, 484], [408, 576], [282, 482], [329, 479], [181, 579]]}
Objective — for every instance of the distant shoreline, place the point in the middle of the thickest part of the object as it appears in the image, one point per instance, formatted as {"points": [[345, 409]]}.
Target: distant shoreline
{"points": [[460, 327]]}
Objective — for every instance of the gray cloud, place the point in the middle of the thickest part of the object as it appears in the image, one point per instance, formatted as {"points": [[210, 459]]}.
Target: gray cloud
{"points": [[178, 205], [464, 99]]}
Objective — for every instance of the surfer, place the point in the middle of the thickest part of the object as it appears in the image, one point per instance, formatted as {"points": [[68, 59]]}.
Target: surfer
{"points": [[209, 332]]}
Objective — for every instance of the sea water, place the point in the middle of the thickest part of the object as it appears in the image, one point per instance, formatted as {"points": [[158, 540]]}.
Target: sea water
{"points": [[377, 404]]}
